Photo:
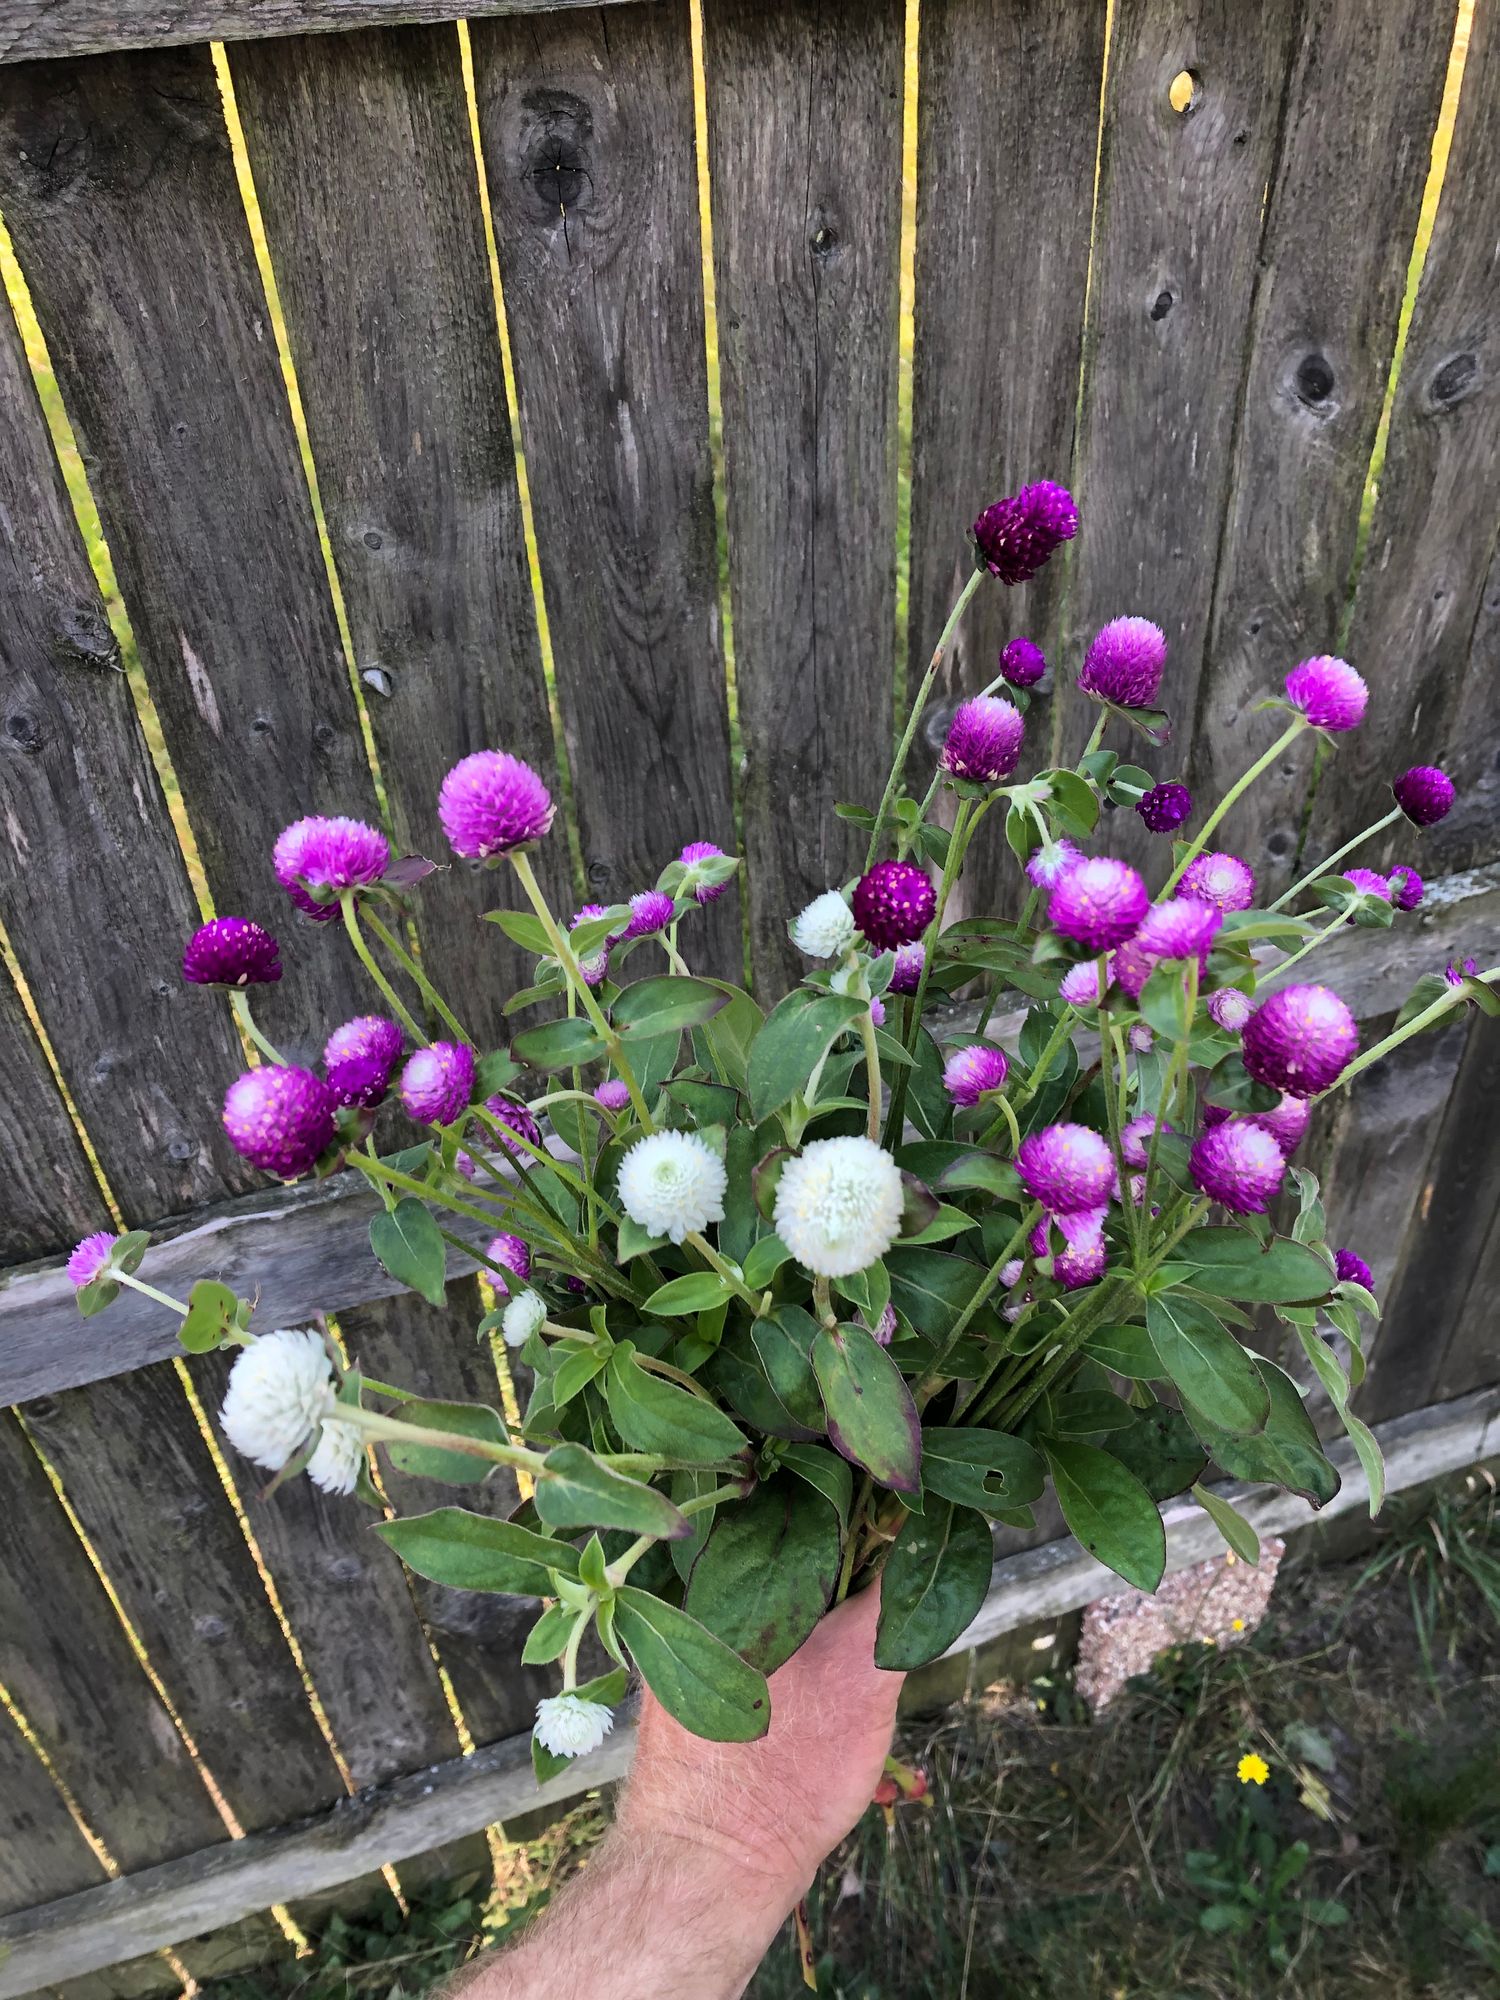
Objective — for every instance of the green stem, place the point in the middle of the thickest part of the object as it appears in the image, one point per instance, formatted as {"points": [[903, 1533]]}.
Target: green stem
{"points": [[239, 1002], [575, 1639], [1006, 1120], [1174, 1081], [851, 1539], [987, 1285], [1241, 785], [1285, 965], [367, 960], [1328, 866], [147, 1291], [823, 1305], [389, 1388], [1028, 911], [872, 1073], [1096, 736], [903, 749], [958, 840], [374, 1424], [1442, 1005], [1108, 1080], [1043, 1063], [419, 978], [717, 1263]]}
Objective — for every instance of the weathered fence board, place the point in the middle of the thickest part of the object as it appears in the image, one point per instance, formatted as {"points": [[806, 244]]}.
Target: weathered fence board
{"points": [[51, 1196], [1469, 833], [46, 1857], [587, 125]]}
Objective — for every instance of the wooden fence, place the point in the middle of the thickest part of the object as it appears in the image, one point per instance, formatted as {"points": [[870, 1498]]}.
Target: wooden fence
{"points": [[1162, 250]]}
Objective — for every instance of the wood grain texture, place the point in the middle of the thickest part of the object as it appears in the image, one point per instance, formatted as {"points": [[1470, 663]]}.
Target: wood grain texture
{"points": [[804, 125], [1470, 835], [587, 123], [51, 1196], [1366, 85], [1176, 264], [118, 188], [384, 279], [45, 1856], [1421, 589]]}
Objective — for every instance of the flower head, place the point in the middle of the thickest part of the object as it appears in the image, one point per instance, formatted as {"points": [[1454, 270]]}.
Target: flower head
{"points": [[906, 973], [969, 1073], [1407, 887], [692, 884], [1016, 535], [518, 1118], [825, 929], [338, 1457], [838, 1205], [231, 951], [884, 1329], [893, 903], [1081, 985], [1238, 1165], [1165, 807], [281, 1388], [1142, 1037], [1022, 663], [1350, 1268], [1368, 883], [524, 1315], [1252, 1770], [1098, 903], [1329, 693], [1455, 975], [569, 1726], [359, 1058], [464, 1163], [1221, 879], [1229, 1009], [90, 1257], [514, 1254], [1425, 794], [1299, 1040], [1081, 1258], [1049, 864], [1135, 1139], [438, 1082], [652, 910], [672, 1184], [596, 964], [1130, 967], [1125, 662], [1183, 927], [1067, 1168], [613, 1094], [280, 1118], [1287, 1123], [491, 803], [329, 855], [984, 740]]}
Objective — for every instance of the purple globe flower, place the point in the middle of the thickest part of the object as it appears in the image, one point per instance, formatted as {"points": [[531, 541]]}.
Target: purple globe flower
{"points": [[1229, 1009], [650, 911], [513, 1253], [1125, 662], [491, 803], [465, 1164], [231, 951], [1299, 1040], [90, 1256], [1022, 663], [438, 1082], [702, 850], [884, 1329], [1098, 903], [331, 855], [1215, 1114], [280, 1118], [359, 1058], [984, 740], [1184, 927], [1016, 535], [1165, 807], [1135, 1139], [906, 974], [1329, 693], [596, 965], [1238, 1165], [1369, 883], [969, 1073], [1350, 1268], [893, 904], [1425, 794], [877, 1012], [612, 1094], [1455, 975], [1081, 1257], [1130, 967], [1049, 864], [1067, 1168], [1221, 879], [1142, 1038], [1080, 986], [1407, 887], [518, 1118], [1287, 1123]]}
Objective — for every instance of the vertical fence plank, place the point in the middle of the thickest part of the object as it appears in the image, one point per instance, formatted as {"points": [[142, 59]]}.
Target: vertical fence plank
{"points": [[587, 123], [382, 270], [1365, 90], [51, 1196], [804, 128], [43, 1856], [1176, 261], [1470, 835]]}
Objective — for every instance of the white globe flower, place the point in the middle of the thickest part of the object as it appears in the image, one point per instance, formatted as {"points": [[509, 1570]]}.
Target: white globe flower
{"points": [[825, 928], [569, 1726], [280, 1389], [525, 1315], [838, 1205], [672, 1183], [339, 1458]]}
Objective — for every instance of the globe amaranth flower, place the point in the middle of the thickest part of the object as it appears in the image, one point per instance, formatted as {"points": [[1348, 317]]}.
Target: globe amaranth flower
{"points": [[1350, 1268], [1299, 1040], [1135, 1139], [651, 911], [838, 1205], [1081, 1257], [1182, 927], [906, 973], [884, 1329], [1124, 663], [518, 1118], [1142, 1037], [338, 1457], [1368, 883], [969, 1073], [613, 1094], [359, 1058], [984, 740], [281, 1388], [693, 885], [1221, 879], [1098, 903], [1130, 967], [465, 1164], [1049, 864], [595, 966], [1425, 794], [491, 803], [1022, 662], [1016, 535], [231, 951], [524, 1315], [1328, 692], [567, 1725], [1082, 985], [1238, 1165], [1455, 975], [672, 1184], [1229, 1009], [280, 1118], [1165, 807], [438, 1082], [1287, 1123], [514, 1254], [894, 903], [331, 855], [1067, 1168], [825, 929], [1407, 887], [90, 1256]]}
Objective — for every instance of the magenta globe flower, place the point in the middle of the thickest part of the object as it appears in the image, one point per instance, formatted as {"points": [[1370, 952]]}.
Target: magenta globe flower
{"points": [[595, 965], [1407, 887], [1239, 1166], [612, 1094], [1022, 663], [1081, 986], [1049, 864], [518, 1118], [1165, 807], [438, 1082], [1130, 967], [1369, 883], [1098, 903], [359, 1058], [1067, 1168], [280, 1118], [969, 1073], [1135, 1139], [514, 1254], [1287, 1123], [1081, 1257], [1221, 879], [1184, 927], [984, 740], [691, 855], [1124, 664], [90, 1257], [1350, 1268], [1328, 692], [1229, 1009], [1300, 1040], [328, 855], [893, 904], [1425, 794], [1016, 535], [651, 911], [906, 973], [491, 803], [231, 951]]}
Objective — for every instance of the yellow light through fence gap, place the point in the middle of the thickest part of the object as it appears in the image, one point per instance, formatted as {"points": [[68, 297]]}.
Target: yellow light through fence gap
{"points": [[1182, 90]]}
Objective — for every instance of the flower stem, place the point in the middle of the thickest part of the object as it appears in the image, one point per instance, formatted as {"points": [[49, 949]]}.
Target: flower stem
{"points": [[419, 978], [366, 959], [964, 822], [872, 1073], [851, 1540], [1043, 1063], [991, 1279], [1286, 964], [1096, 736], [239, 1002], [1327, 867], [903, 749], [823, 1305], [376, 1425], [1242, 784], [570, 1652], [148, 1291], [1453, 998], [717, 1263]]}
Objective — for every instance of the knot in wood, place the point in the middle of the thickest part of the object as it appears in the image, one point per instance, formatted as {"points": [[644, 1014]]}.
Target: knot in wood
{"points": [[1314, 380], [1162, 304], [1455, 381], [555, 152]]}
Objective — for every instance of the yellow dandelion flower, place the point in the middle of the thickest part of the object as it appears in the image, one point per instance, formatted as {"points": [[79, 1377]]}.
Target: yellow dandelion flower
{"points": [[1237, 1624], [1252, 1770]]}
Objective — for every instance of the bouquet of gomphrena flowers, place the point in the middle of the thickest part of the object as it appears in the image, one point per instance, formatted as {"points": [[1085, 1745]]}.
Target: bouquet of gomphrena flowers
{"points": [[807, 1296]]}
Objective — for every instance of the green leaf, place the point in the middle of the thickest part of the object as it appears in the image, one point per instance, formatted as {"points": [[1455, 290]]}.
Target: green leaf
{"points": [[573, 1490], [930, 1288], [579, 1363], [932, 1586], [724, 1045], [129, 1249], [990, 1470], [944, 1226], [1231, 1524], [1163, 1002], [1287, 1452], [96, 1295], [453, 1468], [784, 1342], [1231, 1085], [738, 1374], [1431, 986], [1230, 1263], [407, 1243], [985, 1172], [1127, 1350], [872, 1419], [522, 928], [1109, 1511], [794, 1040], [698, 1680], [665, 1007], [763, 1260], [1206, 1364], [1160, 1448], [477, 1552], [548, 1638], [767, 1572], [825, 1472], [559, 1044], [633, 1241], [1072, 804], [1331, 1374], [211, 1316], [656, 1415], [1087, 1413]]}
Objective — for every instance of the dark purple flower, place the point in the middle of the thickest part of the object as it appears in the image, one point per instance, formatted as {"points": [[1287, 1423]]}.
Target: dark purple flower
{"points": [[90, 1256], [1016, 535], [1425, 794], [280, 1118], [1300, 1040], [519, 1119], [331, 855], [1183, 927], [1125, 662], [231, 951], [652, 910], [1286, 1122], [1457, 974], [1049, 864], [513, 1253], [906, 974], [1221, 879], [1407, 887], [1229, 1009], [1135, 1139], [1165, 807], [1238, 1165], [984, 740], [969, 1073], [612, 1094], [1098, 903], [491, 803], [1215, 1114], [359, 1058], [695, 851], [1329, 693], [438, 1082], [893, 903], [1350, 1268], [1081, 1257], [1022, 663], [1067, 1168]]}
